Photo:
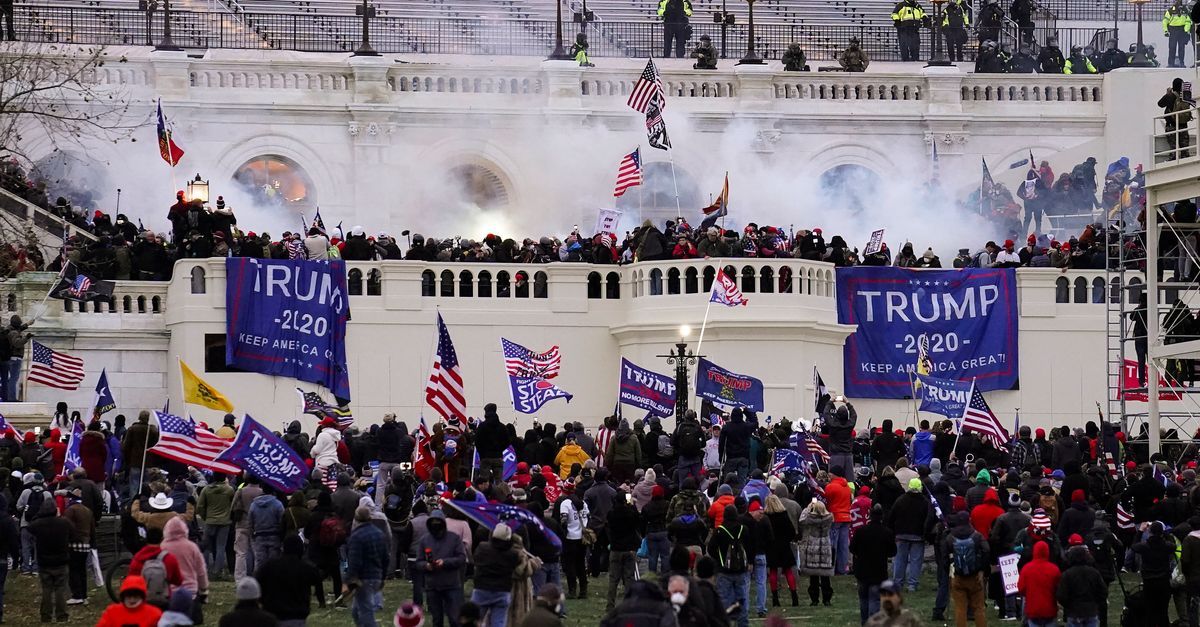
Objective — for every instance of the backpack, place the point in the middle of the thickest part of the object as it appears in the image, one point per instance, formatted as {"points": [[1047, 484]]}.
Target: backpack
{"points": [[664, 446], [33, 506], [966, 556], [154, 571], [331, 533], [691, 441], [734, 557]]}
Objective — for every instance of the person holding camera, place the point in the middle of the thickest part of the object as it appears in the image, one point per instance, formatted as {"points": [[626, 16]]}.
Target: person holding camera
{"points": [[675, 14]]}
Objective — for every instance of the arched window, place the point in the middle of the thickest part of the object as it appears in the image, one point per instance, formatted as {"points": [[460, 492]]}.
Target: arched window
{"points": [[485, 284], [849, 188], [11, 302], [691, 281], [785, 280], [710, 275], [141, 302], [127, 304], [541, 286], [198, 284], [747, 280], [593, 286], [428, 287], [1081, 290], [447, 290], [1098, 290], [156, 304], [521, 281], [466, 284], [612, 286], [656, 282], [354, 282], [766, 280], [673, 281], [502, 287], [1062, 290], [479, 186], [1114, 293], [276, 181], [374, 282]]}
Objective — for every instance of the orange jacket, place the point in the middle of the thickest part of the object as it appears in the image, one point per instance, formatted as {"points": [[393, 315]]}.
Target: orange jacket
{"points": [[837, 496]]}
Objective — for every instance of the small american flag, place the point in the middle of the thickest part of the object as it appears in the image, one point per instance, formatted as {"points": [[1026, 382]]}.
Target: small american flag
{"points": [[329, 480], [812, 448], [603, 437], [629, 173], [312, 403], [444, 392], [55, 369], [522, 362], [726, 292], [5, 428], [979, 417], [648, 89], [184, 442], [1124, 518], [80, 286]]}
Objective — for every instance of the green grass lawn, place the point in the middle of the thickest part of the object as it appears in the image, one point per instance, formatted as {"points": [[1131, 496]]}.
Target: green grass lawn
{"points": [[23, 594]]}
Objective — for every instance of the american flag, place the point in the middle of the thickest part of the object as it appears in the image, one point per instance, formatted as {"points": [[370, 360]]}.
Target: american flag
{"points": [[1113, 466], [656, 128], [184, 442], [1124, 518], [811, 447], [55, 369], [423, 460], [312, 403], [5, 428], [726, 292], [647, 89], [445, 392], [80, 286], [603, 437], [522, 362], [979, 417], [629, 173], [329, 480]]}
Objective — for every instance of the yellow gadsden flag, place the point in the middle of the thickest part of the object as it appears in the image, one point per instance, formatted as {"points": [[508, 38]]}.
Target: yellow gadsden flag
{"points": [[197, 392]]}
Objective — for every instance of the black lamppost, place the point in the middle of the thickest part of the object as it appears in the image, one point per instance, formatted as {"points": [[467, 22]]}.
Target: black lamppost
{"points": [[149, 7], [367, 12], [725, 19], [681, 358], [1139, 56], [751, 57], [166, 43], [559, 53], [939, 56]]}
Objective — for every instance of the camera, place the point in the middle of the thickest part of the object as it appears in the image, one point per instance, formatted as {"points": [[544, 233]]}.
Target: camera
{"points": [[405, 465]]}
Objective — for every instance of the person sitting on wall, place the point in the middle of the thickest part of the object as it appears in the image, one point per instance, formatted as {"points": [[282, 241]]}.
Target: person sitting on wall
{"points": [[579, 51], [854, 58], [704, 54], [794, 59]]}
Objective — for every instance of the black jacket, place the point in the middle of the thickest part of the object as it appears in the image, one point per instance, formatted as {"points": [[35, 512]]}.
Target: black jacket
{"points": [[871, 547], [390, 441], [247, 614], [1079, 518], [886, 449], [287, 583], [908, 514], [735, 438], [491, 438], [839, 426], [495, 561], [623, 527], [1081, 589], [1156, 552]]}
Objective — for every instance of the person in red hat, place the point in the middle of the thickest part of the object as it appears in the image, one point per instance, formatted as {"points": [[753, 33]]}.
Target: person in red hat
{"points": [[1038, 584], [1007, 257], [325, 447]]}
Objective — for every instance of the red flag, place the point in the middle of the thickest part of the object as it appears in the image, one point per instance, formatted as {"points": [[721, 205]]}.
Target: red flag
{"points": [[166, 146], [423, 461]]}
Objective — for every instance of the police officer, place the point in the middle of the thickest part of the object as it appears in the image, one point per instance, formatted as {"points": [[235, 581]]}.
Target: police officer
{"points": [[1023, 62], [908, 16], [1113, 57], [956, 19], [854, 58], [1077, 63], [1021, 12], [794, 59], [675, 14], [704, 54], [1050, 59], [1177, 26], [991, 20], [579, 51], [989, 61]]}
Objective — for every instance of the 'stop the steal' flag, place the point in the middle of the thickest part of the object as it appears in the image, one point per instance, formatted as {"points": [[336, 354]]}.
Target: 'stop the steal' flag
{"points": [[944, 396], [969, 318], [530, 393], [263, 454], [288, 318], [725, 387], [726, 292], [648, 390]]}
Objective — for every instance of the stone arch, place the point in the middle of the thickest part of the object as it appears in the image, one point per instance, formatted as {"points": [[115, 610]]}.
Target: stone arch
{"points": [[277, 181], [1062, 290], [354, 282], [199, 285], [766, 280], [1081, 290], [1098, 290], [485, 284], [374, 282], [673, 281], [476, 157], [593, 285], [691, 282], [427, 283], [447, 284], [294, 149], [612, 286], [466, 284]]}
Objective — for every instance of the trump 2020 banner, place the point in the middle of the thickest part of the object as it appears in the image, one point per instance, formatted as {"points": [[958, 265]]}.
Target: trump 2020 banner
{"points": [[944, 396], [648, 390], [968, 316], [288, 318], [264, 455], [725, 387]]}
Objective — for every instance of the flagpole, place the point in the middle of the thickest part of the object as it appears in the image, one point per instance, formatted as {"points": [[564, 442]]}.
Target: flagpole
{"points": [[958, 440], [671, 158], [916, 408], [700, 342]]}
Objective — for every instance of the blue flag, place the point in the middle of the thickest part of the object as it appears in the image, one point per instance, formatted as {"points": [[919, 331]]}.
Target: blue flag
{"points": [[491, 514], [72, 460], [646, 389], [104, 398], [263, 454], [756, 488], [530, 393], [944, 396], [510, 462], [787, 460], [726, 387]]}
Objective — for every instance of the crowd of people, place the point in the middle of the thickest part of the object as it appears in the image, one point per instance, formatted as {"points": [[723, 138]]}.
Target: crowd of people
{"points": [[725, 531]]}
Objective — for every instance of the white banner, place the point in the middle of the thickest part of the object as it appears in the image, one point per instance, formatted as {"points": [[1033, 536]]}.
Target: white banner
{"points": [[876, 243], [607, 220], [1008, 572]]}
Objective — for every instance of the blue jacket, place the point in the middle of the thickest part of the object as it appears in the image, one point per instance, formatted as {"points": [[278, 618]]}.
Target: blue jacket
{"points": [[366, 554], [266, 516], [922, 448]]}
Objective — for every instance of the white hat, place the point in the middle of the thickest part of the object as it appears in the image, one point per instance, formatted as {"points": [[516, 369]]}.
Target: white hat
{"points": [[357, 231], [161, 502]]}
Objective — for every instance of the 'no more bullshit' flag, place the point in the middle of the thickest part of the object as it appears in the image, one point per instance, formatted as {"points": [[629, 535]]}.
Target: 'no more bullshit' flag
{"points": [[646, 389]]}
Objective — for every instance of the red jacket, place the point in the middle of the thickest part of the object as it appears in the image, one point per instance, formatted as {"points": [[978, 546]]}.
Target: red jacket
{"points": [[1038, 583], [986, 513], [837, 496], [58, 450], [93, 452], [716, 511], [149, 552]]}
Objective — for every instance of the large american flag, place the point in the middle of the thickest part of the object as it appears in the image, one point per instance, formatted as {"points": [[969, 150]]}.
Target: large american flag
{"points": [[647, 89], [55, 369], [978, 417], [629, 173], [522, 362], [445, 392], [181, 440], [811, 447]]}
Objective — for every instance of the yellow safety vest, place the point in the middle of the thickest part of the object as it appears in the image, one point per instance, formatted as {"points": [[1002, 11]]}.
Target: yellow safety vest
{"points": [[1176, 19], [966, 14], [1091, 69], [687, 7], [908, 13]]}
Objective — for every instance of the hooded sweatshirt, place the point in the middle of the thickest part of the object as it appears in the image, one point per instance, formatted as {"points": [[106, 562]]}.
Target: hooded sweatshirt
{"points": [[922, 448], [187, 554], [117, 615], [1038, 583], [1081, 589], [986, 513], [569, 454]]}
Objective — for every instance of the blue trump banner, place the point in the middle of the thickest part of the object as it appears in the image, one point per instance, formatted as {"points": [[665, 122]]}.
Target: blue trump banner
{"points": [[509, 457], [728, 388], [530, 393], [263, 454], [943, 396], [967, 317], [288, 318], [489, 515], [787, 460], [648, 390]]}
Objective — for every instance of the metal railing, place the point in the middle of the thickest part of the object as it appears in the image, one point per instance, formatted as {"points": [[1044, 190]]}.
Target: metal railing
{"points": [[1174, 136], [1102, 10]]}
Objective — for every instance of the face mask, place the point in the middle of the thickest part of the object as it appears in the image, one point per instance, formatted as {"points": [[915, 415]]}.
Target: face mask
{"points": [[678, 598]]}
